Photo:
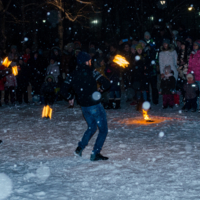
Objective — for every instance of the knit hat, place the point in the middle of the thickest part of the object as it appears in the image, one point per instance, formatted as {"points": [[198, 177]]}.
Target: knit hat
{"points": [[197, 42], [92, 50], [142, 41], [83, 57], [147, 33], [139, 46], [167, 41], [134, 46], [167, 69], [50, 76], [68, 46], [13, 47], [190, 76]]}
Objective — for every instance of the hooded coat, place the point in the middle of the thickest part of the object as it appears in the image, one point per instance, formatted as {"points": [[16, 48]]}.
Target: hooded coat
{"points": [[194, 65], [168, 57], [53, 69]]}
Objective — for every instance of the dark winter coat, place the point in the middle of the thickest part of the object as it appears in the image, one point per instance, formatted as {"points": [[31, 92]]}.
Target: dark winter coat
{"points": [[84, 82], [3, 76], [66, 62], [113, 73], [37, 72], [191, 90], [168, 84], [48, 87], [23, 77]]}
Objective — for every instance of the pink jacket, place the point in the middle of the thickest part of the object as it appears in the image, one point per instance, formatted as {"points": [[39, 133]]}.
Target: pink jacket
{"points": [[11, 81], [194, 65]]}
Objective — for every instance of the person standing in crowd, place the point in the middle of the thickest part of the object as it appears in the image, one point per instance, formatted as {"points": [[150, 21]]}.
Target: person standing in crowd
{"points": [[168, 87], [84, 82], [194, 65], [191, 91], [182, 64], [36, 76], [27, 55], [68, 53], [10, 88], [113, 72], [48, 90], [53, 69], [23, 79], [168, 56]]}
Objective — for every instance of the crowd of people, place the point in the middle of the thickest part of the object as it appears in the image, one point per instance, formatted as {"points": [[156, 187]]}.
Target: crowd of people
{"points": [[167, 64]]}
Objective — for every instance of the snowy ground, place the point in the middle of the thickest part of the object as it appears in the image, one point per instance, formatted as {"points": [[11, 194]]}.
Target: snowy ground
{"points": [[37, 156]]}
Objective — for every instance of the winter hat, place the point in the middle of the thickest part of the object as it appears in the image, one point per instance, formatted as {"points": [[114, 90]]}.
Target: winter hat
{"points": [[167, 69], [92, 50], [13, 47], [167, 41], [133, 46], [83, 57], [139, 46], [99, 51], [175, 32], [68, 46], [142, 41], [147, 33], [190, 76], [197, 42], [50, 76]]}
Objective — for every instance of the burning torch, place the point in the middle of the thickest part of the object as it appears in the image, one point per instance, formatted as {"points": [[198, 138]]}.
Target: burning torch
{"points": [[121, 61], [47, 112]]}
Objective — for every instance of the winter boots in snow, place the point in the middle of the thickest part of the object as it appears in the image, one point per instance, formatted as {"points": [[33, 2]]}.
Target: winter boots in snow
{"points": [[96, 157], [114, 104], [78, 151]]}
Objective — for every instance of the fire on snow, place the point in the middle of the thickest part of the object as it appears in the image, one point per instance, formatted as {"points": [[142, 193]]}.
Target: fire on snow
{"points": [[47, 112]]}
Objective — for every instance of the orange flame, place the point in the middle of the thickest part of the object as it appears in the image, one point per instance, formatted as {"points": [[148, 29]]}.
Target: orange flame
{"points": [[6, 62], [121, 61], [15, 70], [145, 115], [47, 112]]}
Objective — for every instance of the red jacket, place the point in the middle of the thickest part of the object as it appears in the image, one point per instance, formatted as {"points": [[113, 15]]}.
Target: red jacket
{"points": [[3, 80], [26, 57], [194, 65]]}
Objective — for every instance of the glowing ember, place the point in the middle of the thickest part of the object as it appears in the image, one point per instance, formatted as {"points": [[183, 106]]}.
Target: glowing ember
{"points": [[15, 70], [6, 62], [145, 115], [121, 61], [47, 112]]}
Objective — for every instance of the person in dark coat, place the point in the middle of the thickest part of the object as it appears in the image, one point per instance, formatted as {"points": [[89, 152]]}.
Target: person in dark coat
{"points": [[23, 79], [48, 90], [36, 75], [84, 82], [191, 90], [167, 86]]}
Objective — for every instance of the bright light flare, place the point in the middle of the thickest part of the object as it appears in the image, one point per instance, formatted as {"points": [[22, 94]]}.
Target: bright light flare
{"points": [[145, 115], [121, 61], [47, 112], [15, 71], [6, 62]]}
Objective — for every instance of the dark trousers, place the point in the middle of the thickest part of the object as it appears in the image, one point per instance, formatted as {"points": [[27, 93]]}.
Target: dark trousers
{"points": [[153, 83], [49, 98], [22, 90], [9, 91], [168, 100], [191, 103], [94, 116]]}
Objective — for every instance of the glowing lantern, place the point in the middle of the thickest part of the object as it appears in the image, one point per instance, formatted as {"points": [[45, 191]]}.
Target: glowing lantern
{"points": [[15, 70], [6, 62], [47, 112], [121, 61], [145, 115]]}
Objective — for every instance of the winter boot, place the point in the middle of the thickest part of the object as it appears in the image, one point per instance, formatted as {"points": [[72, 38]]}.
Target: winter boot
{"points": [[111, 103], [117, 102], [78, 151], [96, 157]]}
